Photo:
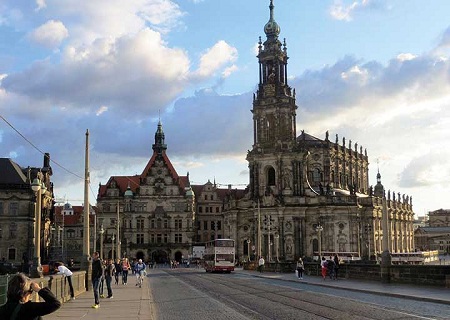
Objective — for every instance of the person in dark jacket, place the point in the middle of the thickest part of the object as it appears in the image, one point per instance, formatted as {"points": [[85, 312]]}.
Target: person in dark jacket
{"points": [[110, 270], [18, 306], [97, 272]]}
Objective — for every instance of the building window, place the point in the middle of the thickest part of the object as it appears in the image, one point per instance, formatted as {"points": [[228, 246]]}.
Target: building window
{"points": [[14, 208], [112, 222], [159, 238], [205, 225], [140, 224], [178, 224], [1, 232], [11, 254], [13, 231], [166, 225], [206, 197], [152, 238], [158, 223], [217, 209], [213, 225], [200, 209], [166, 238], [178, 238], [1, 208], [152, 224], [212, 197], [219, 225], [140, 238], [70, 234], [211, 237], [271, 177], [206, 209]]}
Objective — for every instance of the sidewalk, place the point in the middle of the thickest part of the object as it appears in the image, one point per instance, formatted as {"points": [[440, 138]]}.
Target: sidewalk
{"points": [[129, 302], [408, 291]]}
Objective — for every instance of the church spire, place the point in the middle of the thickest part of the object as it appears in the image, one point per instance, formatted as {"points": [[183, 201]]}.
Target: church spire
{"points": [[159, 146]]}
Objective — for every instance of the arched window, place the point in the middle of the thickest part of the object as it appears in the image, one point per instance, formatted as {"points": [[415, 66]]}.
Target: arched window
{"points": [[271, 176], [316, 176]]}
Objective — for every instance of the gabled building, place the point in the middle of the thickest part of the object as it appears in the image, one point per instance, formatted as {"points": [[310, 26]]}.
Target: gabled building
{"points": [[18, 207], [154, 212]]}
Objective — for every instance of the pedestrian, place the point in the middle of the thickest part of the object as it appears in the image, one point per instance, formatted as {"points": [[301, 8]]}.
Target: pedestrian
{"points": [[139, 270], [118, 270], [62, 269], [18, 305], [109, 273], [323, 265], [300, 268], [102, 280], [330, 268], [71, 263], [261, 264], [336, 266], [125, 267], [97, 272]]}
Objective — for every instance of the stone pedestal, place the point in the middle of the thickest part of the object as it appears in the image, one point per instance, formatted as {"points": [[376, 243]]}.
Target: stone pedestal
{"points": [[86, 265], [386, 262], [36, 270]]}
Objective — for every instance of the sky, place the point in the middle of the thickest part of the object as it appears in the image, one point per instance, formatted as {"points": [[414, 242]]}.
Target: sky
{"points": [[373, 71]]}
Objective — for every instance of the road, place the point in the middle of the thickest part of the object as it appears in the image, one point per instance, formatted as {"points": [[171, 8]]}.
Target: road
{"points": [[194, 294]]}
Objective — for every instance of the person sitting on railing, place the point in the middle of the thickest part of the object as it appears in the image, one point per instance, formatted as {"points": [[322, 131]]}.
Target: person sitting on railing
{"points": [[19, 306]]}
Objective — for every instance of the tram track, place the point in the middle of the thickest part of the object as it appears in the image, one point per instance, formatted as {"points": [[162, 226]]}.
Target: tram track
{"points": [[250, 295]]}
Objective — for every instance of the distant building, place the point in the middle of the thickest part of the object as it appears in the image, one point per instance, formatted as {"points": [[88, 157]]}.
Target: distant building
{"points": [[155, 211], [17, 211], [68, 233], [436, 235]]}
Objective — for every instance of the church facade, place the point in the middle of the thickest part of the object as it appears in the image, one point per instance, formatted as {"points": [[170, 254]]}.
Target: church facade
{"points": [[307, 196]]}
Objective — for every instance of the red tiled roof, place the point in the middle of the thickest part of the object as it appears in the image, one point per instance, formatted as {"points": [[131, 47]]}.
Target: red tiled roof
{"points": [[72, 219]]}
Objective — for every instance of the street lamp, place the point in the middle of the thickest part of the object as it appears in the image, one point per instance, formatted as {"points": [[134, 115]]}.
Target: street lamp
{"points": [[36, 271], [319, 230], [248, 249], [113, 238], [102, 231]]}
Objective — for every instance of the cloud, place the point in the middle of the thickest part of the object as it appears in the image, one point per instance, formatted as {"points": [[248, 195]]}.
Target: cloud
{"points": [[40, 5], [342, 12], [140, 71], [50, 34], [215, 58], [426, 170]]}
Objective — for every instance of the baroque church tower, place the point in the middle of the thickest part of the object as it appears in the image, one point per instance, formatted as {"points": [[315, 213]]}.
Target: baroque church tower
{"points": [[274, 112]]}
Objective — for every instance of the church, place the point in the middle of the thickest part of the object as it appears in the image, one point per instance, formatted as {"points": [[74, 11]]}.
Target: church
{"points": [[307, 196]]}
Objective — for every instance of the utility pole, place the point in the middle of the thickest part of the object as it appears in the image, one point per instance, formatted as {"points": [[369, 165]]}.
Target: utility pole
{"points": [[86, 259], [259, 231], [118, 234]]}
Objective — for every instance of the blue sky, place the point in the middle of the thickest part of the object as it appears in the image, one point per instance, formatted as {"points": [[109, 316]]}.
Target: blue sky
{"points": [[373, 71]]}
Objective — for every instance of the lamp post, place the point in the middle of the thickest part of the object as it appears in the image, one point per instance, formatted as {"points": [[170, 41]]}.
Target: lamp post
{"points": [[36, 271], [102, 231], [248, 249], [319, 230], [113, 238]]}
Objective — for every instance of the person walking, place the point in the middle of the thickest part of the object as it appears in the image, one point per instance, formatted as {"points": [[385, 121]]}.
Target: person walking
{"points": [[261, 263], [62, 269], [330, 267], [139, 270], [300, 268], [125, 267], [97, 272], [109, 273], [102, 280], [323, 265], [336, 266], [18, 305], [118, 270]]}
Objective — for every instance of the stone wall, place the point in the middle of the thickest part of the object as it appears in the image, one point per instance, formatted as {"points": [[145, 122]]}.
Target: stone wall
{"points": [[433, 275], [59, 286]]}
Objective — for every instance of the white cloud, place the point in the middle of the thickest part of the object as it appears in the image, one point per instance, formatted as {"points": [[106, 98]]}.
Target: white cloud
{"points": [[215, 58], [50, 34], [40, 5], [101, 110], [406, 56], [228, 71], [340, 11]]}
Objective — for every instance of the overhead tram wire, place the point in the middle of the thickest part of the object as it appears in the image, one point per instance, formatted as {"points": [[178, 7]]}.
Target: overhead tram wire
{"points": [[35, 147]]}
